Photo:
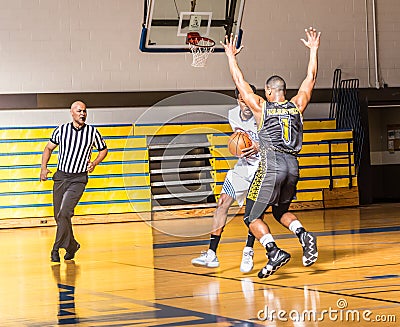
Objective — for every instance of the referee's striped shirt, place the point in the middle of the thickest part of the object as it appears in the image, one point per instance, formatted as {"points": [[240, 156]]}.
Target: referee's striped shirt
{"points": [[75, 146]]}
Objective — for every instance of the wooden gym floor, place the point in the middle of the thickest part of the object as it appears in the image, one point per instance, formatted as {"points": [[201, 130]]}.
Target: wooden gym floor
{"points": [[130, 274]]}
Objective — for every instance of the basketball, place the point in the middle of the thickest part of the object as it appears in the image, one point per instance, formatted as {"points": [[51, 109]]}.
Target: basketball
{"points": [[237, 141]]}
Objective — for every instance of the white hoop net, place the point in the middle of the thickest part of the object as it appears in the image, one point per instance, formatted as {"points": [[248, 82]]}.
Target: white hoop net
{"points": [[201, 50]]}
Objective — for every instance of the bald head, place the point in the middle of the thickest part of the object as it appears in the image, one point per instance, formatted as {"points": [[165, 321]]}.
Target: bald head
{"points": [[78, 113], [78, 104]]}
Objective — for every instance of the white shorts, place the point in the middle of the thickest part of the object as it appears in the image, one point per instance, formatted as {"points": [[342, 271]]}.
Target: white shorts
{"points": [[237, 182]]}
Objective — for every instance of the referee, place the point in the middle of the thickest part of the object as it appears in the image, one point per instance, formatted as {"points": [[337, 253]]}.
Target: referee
{"points": [[76, 141]]}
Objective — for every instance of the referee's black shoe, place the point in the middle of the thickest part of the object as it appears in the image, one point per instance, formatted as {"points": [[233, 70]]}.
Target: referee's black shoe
{"points": [[71, 253], [55, 256], [277, 258]]}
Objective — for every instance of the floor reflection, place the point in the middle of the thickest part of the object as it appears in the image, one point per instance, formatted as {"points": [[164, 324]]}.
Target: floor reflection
{"points": [[66, 291]]}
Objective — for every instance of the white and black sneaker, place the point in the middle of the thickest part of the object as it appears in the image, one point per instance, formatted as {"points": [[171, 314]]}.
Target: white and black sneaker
{"points": [[277, 258], [309, 244], [207, 259]]}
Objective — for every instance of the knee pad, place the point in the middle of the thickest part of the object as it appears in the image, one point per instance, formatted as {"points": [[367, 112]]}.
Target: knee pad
{"points": [[280, 210]]}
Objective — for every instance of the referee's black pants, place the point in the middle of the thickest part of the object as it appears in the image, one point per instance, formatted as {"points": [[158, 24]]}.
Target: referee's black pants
{"points": [[67, 191]]}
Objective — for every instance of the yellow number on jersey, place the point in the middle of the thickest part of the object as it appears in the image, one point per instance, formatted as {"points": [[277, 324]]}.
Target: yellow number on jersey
{"points": [[285, 129]]}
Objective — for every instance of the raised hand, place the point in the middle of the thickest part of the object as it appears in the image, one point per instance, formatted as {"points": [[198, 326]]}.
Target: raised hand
{"points": [[230, 45], [312, 38]]}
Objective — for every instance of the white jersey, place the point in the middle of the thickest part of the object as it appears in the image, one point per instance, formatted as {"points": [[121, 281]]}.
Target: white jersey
{"points": [[238, 179], [250, 127]]}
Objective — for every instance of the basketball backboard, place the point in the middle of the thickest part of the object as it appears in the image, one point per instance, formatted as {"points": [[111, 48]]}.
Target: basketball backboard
{"points": [[167, 23]]}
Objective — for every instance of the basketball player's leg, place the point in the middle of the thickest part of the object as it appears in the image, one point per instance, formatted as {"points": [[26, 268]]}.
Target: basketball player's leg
{"points": [[289, 220], [235, 188], [219, 220], [240, 179], [209, 259], [276, 256], [263, 192], [221, 213]]}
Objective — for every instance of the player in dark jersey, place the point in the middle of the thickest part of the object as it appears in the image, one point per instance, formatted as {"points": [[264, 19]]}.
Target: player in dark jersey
{"points": [[280, 131]]}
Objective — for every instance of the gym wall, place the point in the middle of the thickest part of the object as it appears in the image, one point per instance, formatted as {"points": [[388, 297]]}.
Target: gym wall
{"points": [[92, 46]]}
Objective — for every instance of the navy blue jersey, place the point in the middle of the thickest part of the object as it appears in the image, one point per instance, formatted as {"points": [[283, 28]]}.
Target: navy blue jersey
{"points": [[281, 127]]}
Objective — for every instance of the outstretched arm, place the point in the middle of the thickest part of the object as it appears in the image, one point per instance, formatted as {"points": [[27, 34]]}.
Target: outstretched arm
{"points": [[253, 101], [304, 94]]}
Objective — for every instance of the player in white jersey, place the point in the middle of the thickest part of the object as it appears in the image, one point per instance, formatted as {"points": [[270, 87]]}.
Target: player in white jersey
{"points": [[236, 185]]}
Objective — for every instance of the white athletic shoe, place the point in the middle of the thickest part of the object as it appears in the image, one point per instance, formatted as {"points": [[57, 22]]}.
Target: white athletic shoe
{"points": [[207, 259], [247, 260]]}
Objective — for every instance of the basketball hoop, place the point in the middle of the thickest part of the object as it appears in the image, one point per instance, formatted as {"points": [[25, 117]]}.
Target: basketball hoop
{"points": [[201, 48]]}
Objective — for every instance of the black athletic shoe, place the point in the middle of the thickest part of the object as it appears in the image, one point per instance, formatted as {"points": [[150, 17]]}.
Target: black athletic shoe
{"points": [[309, 244], [277, 258], [71, 254], [55, 256]]}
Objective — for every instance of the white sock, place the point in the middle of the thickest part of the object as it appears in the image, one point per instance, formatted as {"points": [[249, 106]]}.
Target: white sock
{"points": [[267, 238], [294, 225]]}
